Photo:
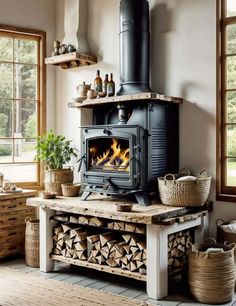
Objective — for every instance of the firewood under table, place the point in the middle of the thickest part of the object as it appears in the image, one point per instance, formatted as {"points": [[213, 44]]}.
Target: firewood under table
{"points": [[160, 222]]}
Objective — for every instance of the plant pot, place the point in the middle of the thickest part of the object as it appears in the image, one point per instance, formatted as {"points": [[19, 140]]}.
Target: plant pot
{"points": [[54, 179]]}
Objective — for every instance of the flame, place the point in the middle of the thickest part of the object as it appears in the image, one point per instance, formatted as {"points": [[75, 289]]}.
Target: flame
{"points": [[114, 158]]}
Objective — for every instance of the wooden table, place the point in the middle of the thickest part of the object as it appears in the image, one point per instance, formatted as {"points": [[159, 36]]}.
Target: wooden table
{"points": [[160, 221]]}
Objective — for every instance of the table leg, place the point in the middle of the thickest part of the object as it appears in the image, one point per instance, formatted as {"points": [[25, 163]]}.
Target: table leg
{"points": [[202, 231], [157, 261], [46, 241]]}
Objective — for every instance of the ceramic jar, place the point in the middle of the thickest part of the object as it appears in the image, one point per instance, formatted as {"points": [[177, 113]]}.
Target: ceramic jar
{"points": [[82, 89], [91, 94]]}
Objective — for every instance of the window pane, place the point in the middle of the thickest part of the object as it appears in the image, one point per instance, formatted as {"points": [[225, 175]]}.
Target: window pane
{"points": [[231, 172], [5, 118], [6, 80], [6, 151], [231, 72], [231, 38], [25, 51], [231, 8], [231, 140], [19, 172], [25, 82], [6, 47], [24, 150], [25, 119]]}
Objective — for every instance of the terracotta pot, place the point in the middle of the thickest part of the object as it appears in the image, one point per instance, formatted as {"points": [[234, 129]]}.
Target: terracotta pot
{"points": [[54, 179]]}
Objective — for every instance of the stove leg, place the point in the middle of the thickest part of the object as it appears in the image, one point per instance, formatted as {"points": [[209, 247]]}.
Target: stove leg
{"points": [[85, 195], [143, 198]]}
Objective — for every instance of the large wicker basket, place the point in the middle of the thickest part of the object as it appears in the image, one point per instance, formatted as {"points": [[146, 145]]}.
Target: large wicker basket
{"points": [[211, 275], [184, 193], [32, 242]]}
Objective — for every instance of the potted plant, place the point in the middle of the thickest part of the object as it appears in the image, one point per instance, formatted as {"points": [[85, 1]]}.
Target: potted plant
{"points": [[55, 151]]}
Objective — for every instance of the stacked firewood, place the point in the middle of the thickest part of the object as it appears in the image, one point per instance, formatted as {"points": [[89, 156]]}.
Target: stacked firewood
{"points": [[126, 226], [177, 249], [70, 241], [130, 253], [86, 220]]}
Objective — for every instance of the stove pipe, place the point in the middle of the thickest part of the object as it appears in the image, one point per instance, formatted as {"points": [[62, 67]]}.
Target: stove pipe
{"points": [[134, 47]]}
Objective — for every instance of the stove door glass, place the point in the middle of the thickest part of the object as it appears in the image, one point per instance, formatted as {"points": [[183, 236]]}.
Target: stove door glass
{"points": [[109, 155]]}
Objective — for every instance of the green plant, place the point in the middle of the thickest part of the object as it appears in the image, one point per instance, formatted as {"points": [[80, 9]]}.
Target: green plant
{"points": [[54, 150], [5, 150]]}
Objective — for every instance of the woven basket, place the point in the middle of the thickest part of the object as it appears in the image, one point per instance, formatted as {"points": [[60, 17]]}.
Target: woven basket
{"points": [[223, 235], [32, 243], [184, 193], [54, 179], [70, 190], [211, 276]]}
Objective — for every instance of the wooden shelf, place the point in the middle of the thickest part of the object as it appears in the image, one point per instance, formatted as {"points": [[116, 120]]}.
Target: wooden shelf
{"points": [[71, 60], [91, 103], [103, 268]]}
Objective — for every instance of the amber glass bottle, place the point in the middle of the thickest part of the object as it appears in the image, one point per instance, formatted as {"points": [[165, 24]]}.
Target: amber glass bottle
{"points": [[98, 82], [111, 86], [105, 82]]}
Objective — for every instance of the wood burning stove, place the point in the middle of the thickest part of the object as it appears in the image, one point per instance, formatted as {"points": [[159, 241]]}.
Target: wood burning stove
{"points": [[134, 138], [123, 159]]}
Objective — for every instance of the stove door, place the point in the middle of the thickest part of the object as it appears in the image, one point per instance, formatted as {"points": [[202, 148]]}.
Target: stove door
{"points": [[112, 156]]}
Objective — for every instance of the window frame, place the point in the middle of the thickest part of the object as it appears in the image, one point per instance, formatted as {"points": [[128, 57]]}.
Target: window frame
{"points": [[40, 36], [223, 192]]}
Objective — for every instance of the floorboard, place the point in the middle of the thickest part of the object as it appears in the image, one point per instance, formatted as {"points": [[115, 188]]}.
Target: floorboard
{"points": [[110, 283]]}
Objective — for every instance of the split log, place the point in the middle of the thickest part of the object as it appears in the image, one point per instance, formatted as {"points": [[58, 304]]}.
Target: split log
{"points": [[130, 227], [75, 231], [111, 243], [66, 228], [140, 229], [73, 219], [111, 262], [83, 220], [92, 239], [100, 259], [96, 222], [104, 238], [141, 245], [61, 217], [69, 242], [97, 245], [57, 230], [81, 245], [80, 237], [126, 237]]}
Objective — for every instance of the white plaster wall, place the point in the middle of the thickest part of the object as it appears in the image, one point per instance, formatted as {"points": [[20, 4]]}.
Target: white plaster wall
{"points": [[38, 15], [183, 63]]}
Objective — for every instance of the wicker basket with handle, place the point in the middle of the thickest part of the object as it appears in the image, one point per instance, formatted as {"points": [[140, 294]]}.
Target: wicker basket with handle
{"points": [[211, 276], [184, 193]]}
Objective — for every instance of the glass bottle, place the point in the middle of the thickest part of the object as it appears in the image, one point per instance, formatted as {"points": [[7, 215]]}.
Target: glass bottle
{"points": [[111, 86], [105, 82], [98, 83]]}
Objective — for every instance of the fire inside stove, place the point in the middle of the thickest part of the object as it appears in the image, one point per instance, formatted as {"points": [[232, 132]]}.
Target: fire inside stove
{"points": [[109, 154]]}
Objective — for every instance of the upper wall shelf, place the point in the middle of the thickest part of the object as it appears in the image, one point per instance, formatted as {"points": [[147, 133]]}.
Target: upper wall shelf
{"points": [[71, 60], [91, 103]]}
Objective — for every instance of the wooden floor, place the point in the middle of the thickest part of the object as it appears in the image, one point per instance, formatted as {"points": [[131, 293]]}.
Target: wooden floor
{"points": [[110, 283]]}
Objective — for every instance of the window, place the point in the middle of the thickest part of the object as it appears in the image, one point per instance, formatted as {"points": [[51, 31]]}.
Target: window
{"points": [[22, 103], [226, 159]]}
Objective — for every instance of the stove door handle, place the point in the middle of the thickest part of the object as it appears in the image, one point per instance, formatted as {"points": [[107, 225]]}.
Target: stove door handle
{"points": [[80, 161]]}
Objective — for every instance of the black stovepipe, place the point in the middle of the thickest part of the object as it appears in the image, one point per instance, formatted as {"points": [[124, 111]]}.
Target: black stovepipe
{"points": [[134, 47]]}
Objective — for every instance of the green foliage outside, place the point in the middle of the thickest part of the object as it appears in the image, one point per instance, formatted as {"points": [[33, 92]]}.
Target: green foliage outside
{"points": [[54, 150], [22, 112]]}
